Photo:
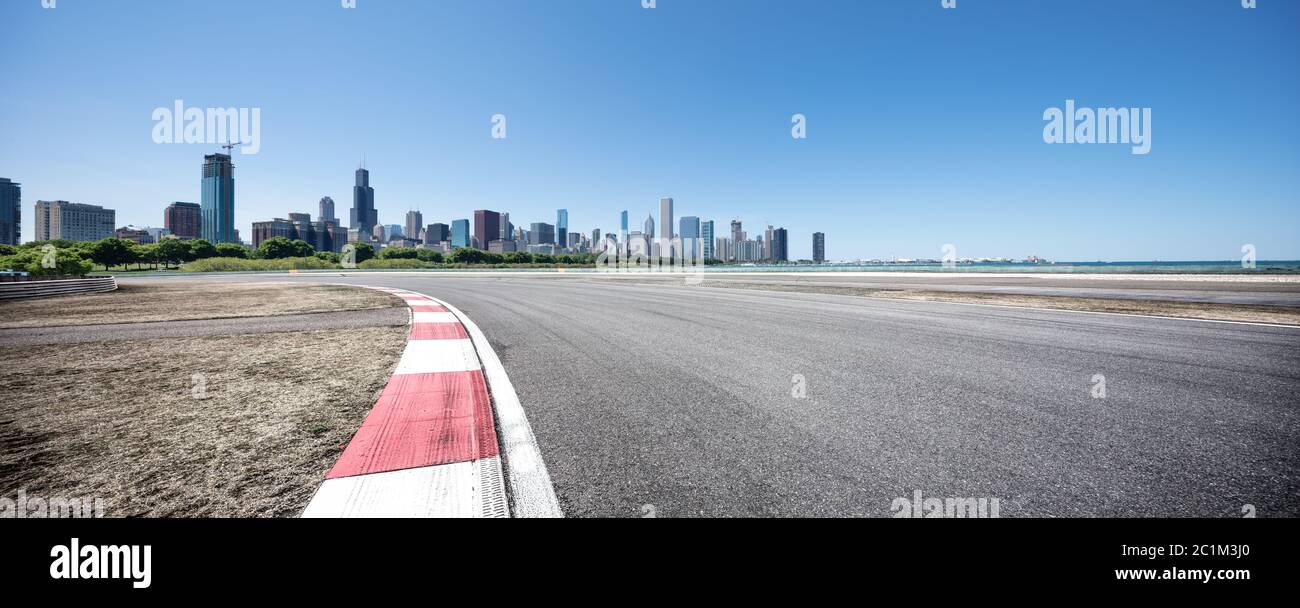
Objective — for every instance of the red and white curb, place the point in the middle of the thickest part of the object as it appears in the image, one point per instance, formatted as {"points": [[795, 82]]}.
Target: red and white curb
{"points": [[429, 446]]}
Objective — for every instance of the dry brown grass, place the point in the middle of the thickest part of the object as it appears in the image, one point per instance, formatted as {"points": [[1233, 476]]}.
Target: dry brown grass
{"points": [[136, 302], [1164, 308], [120, 420]]}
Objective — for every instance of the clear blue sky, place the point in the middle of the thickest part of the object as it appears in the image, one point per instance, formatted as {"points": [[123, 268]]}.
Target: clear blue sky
{"points": [[924, 124]]}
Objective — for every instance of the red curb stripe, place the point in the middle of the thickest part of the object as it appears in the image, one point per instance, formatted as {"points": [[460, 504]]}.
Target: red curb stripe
{"points": [[438, 331], [429, 308], [423, 420]]}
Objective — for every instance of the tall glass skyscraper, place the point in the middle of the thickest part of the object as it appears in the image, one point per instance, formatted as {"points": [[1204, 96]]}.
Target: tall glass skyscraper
{"points": [[622, 235], [460, 233], [562, 227], [11, 204], [689, 232], [706, 235], [218, 201], [363, 216]]}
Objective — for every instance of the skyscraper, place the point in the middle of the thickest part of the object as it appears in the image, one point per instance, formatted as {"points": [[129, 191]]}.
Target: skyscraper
{"points": [[364, 216], [414, 222], [562, 227], [11, 213], [185, 220], [767, 244], [327, 209], [487, 227], [819, 247], [218, 199], [541, 234], [689, 232], [437, 233], [622, 234], [779, 246], [706, 238], [666, 226], [460, 233], [73, 221], [505, 228], [737, 234]]}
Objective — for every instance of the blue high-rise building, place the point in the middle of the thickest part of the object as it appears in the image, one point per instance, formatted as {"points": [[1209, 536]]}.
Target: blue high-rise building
{"points": [[562, 227], [460, 233], [706, 235], [622, 235], [689, 233], [11, 203], [218, 202]]}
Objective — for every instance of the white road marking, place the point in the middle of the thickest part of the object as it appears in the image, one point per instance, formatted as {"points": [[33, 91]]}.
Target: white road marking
{"points": [[431, 356], [462, 489]]}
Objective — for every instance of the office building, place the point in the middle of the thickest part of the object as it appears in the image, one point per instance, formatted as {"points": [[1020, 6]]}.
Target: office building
{"points": [[622, 226], [779, 246], [324, 235], [648, 228], [363, 216], [541, 234], [505, 228], [437, 233], [11, 213], [487, 227], [562, 227], [501, 246], [706, 240], [414, 222], [666, 227], [689, 233], [460, 233], [73, 221], [135, 235], [327, 210], [819, 247], [185, 220], [218, 199]]}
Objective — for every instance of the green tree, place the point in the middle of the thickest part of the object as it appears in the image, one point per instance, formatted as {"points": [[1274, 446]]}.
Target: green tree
{"points": [[275, 248], [201, 249], [466, 255], [172, 251], [399, 253], [146, 254], [111, 251], [429, 255], [328, 256], [231, 250]]}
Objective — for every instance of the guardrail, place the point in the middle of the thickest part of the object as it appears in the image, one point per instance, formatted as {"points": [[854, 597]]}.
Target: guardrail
{"points": [[58, 287]]}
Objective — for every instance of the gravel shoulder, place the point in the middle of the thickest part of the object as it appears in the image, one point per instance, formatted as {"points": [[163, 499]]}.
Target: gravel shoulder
{"points": [[235, 425], [152, 301]]}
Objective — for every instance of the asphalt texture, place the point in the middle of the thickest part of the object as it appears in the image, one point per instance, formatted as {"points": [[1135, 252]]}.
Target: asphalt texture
{"points": [[693, 401]]}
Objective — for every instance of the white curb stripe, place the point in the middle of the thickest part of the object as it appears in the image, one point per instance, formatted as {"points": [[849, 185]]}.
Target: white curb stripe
{"points": [[448, 490], [431, 356], [434, 317], [530, 490]]}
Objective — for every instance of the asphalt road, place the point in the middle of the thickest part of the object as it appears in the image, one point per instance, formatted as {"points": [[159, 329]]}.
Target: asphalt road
{"points": [[679, 400]]}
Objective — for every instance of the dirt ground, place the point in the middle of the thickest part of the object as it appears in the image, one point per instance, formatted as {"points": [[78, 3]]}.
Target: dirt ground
{"points": [[221, 426], [137, 302]]}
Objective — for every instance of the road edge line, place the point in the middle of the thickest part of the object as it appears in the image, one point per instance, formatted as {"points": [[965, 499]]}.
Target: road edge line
{"points": [[529, 488]]}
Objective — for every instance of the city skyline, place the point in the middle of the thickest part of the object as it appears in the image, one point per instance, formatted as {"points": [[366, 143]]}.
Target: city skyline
{"points": [[898, 160]]}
